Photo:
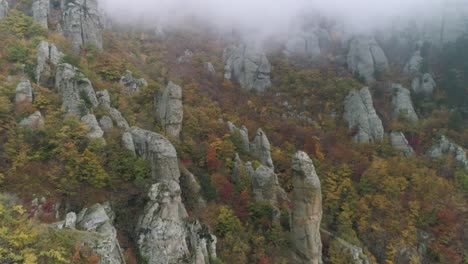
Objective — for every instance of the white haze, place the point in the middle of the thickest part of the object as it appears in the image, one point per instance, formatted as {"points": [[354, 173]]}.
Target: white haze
{"points": [[267, 16]]}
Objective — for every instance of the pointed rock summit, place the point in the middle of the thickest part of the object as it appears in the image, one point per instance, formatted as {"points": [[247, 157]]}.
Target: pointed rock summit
{"points": [[169, 109], [307, 211], [366, 58]]}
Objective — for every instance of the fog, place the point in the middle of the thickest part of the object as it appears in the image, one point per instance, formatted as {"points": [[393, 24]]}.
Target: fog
{"points": [[266, 16]]}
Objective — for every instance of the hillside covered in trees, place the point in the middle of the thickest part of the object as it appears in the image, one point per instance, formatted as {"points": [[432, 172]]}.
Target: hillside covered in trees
{"points": [[136, 144]]}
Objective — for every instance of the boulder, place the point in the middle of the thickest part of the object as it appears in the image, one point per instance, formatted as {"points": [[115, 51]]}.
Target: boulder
{"points": [[76, 90], [445, 147], [33, 121], [307, 211], [106, 123], [360, 114], [70, 220], [3, 8], [423, 84], [399, 142], [260, 148], [366, 58], [24, 92], [47, 55], [159, 152], [118, 118], [169, 109], [94, 130], [132, 84], [413, 66], [40, 10], [81, 21], [243, 134], [402, 104], [249, 67]]}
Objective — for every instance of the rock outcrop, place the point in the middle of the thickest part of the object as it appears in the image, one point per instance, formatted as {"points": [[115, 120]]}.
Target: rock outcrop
{"points": [[250, 68], [106, 123], [169, 109], [424, 85], [132, 84], [187, 57], [3, 9], [265, 186], [360, 114], [127, 142], [81, 21], [77, 92], [260, 148], [40, 10], [210, 69], [413, 66], [307, 211], [243, 134], [99, 233], [308, 44], [94, 130], [366, 58], [33, 121], [24, 92], [399, 142], [159, 152], [48, 56], [345, 248], [104, 100], [164, 236], [445, 147], [402, 104]]}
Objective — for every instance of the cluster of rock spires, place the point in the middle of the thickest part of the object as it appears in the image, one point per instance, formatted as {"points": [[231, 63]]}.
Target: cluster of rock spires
{"points": [[247, 66], [48, 57], [163, 233]]}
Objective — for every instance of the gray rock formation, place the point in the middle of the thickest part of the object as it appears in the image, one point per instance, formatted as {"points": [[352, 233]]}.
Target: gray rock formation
{"points": [[40, 10], [210, 69], [159, 152], [77, 92], [307, 211], [445, 147], [423, 84], [260, 148], [47, 55], [308, 44], [187, 57], [24, 92], [104, 101], [70, 221], [399, 142], [81, 21], [132, 84], [33, 121], [250, 68], [243, 133], [366, 58], [127, 142], [94, 130], [164, 236], [360, 114], [106, 123], [3, 9], [402, 104], [265, 186], [345, 248], [413, 66], [101, 234], [169, 109]]}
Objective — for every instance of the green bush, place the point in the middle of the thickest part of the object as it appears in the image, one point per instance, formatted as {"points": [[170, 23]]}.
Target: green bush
{"points": [[17, 52]]}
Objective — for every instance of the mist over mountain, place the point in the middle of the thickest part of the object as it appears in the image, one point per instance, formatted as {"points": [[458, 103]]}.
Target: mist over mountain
{"points": [[264, 17]]}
